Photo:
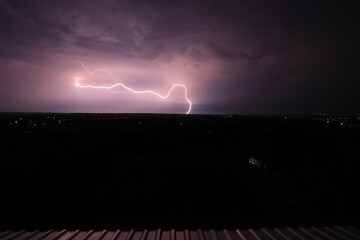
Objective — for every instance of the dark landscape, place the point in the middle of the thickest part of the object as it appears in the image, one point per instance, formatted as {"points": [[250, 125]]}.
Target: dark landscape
{"points": [[102, 171], [179, 120]]}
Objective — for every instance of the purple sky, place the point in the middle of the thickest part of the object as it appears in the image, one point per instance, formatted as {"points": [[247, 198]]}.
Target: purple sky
{"points": [[246, 57]]}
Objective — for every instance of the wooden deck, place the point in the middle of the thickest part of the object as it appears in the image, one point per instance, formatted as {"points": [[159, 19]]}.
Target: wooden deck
{"points": [[314, 233]]}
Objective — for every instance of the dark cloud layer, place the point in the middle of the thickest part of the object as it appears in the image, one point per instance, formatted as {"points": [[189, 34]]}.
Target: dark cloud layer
{"points": [[234, 56]]}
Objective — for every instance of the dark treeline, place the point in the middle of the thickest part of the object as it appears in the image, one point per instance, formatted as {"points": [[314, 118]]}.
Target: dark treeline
{"points": [[96, 171]]}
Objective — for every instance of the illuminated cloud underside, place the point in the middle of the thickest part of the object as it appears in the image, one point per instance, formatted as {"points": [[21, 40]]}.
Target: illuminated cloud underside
{"points": [[246, 57], [117, 84]]}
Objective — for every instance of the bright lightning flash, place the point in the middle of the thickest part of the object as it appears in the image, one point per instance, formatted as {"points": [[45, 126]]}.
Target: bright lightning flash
{"points": [[79, 85]]}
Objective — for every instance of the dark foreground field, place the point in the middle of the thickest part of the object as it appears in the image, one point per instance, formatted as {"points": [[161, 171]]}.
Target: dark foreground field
{"points": [[96, 171]]}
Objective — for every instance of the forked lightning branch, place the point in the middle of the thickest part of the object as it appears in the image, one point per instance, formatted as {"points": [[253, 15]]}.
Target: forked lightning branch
{"points": [[119, 84]]}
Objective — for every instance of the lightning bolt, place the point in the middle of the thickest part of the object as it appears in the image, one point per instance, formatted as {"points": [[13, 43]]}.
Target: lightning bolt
{"points": [[177, 85]]}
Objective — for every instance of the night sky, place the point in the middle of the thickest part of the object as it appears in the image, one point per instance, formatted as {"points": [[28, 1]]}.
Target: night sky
{"points": [[245, 57]]}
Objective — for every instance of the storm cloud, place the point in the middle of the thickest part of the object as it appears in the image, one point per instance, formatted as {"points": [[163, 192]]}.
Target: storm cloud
{"points": [[246, 57]]}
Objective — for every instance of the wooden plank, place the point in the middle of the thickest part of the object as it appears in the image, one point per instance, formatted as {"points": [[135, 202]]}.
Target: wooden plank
{"points": [[80, 236], [309, 233], [66, 236], [54, 235], [268, 234], [328, 230], [248, 235], [151, 235], [240, 234], [27, 235], [14, 235], [74, 235], [93, 235], [187, 235], [207, 235], [357, 236], [227, 234], [296, 234], [129, 236], [123, 235], [42, 235], [354, 229], [165, 235], [314, 233], [322, 233], [158, 234], [254, 234], [233, 234], [144, 234], [88, 235], [280, 232], [2, 234], [194, 235], [137, 235], [115, 236], [180, 235]]}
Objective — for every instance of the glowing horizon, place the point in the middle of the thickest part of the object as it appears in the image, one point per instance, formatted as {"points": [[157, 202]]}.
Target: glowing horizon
{"points": [[79, 85]]}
